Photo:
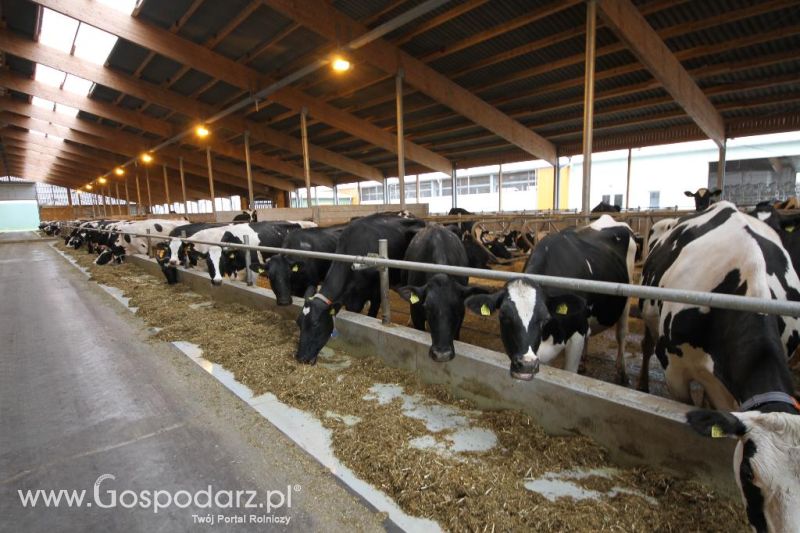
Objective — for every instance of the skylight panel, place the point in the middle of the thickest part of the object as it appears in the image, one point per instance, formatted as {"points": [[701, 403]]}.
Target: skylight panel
{"points": [[67, 110], [54, 137], [37, 133], [49, 76], [41, 102], [58, 30], [93, 44], [77, 85]]}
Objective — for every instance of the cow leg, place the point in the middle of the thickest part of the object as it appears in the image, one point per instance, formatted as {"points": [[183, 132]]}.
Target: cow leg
{"points": [[622, 334], [574, 352], [716, 393], [648, 347], [418, 316], [678, 383]]}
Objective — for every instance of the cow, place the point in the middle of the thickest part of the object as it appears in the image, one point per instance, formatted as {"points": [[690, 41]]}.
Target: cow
{"points": [[537, 323], [605, 207], [477, 255], [170, 254], [734, 355], [703, 197], [122, 243], [784, 226], [222, 261], [291, 275], [436, 298], [766, 461], [352, 288], [245, 216]]}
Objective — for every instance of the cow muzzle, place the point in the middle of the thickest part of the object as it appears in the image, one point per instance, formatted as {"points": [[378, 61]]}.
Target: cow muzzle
{"points": [[216, 282], [524, 369], [441, 356]]}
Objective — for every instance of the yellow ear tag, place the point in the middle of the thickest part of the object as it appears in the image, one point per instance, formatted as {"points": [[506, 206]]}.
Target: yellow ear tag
{"points": [[789, 228], [485, 311], [260, 270], [414, 298], [716, 431], [295, 268], [232, 256], [333, 311], [561, 309]]}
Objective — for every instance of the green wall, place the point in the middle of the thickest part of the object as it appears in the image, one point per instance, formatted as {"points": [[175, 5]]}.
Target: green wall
{"points": [[19, 215]]}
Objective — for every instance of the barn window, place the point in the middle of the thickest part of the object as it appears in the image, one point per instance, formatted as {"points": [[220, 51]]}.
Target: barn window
{"points": [[655, 199]]}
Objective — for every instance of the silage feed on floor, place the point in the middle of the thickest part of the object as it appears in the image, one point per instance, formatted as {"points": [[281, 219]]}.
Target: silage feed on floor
{"points": [[463, 491]]}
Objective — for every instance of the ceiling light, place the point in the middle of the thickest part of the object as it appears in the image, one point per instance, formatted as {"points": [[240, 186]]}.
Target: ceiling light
{"points": [[89, 187], [201, 131], [147, 158], [340, 64], [119, 171], [102, 180]]}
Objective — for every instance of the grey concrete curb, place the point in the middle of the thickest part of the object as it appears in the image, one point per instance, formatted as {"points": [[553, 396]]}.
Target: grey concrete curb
{"points": [[637, 429]]}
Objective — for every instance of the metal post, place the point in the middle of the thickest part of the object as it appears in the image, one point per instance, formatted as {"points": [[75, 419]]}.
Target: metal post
{"points": [[166, 185], [247, 272], [721, 166], [335, 194], [91, 201], [416, 184], [69, 202], [360, 194], [127, 197], [401, 152], [250, 196], [211, 180], [383, 251], [183, 185], [149, 249], [149, 195], [306, 160], [119, 205], [557, 183], [500, 189], [588, 102], [103, 202], [454, 181], [385, 190], [628, 182], [138, 195]]}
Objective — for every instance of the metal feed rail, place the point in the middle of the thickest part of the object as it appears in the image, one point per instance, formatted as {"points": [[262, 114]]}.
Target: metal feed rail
{"points": [[706, 299]]}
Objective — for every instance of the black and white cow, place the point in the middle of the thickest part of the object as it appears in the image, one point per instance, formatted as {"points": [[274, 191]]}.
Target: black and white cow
{"points": [[437, 299], [538, 323], [77, 237], [766, 461], [734, 355], [605, 207], [703, 197], [344, 286], [122, 244], [172, 253], [230, 262], [291, 275], [786, 225]]}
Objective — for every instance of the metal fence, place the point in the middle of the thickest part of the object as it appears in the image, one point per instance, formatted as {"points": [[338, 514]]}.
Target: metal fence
{"points": [[705, 299]]}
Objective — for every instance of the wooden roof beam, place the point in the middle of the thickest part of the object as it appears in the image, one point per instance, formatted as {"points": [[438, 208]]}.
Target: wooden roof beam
{"points": [[325, 20], [218, 66], [632, 28]]}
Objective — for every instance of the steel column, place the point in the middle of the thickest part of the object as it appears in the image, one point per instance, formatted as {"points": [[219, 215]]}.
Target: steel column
{"points": [[721, 166], [250, 196], [500, 188], [211, 180], [166, 185], [183, 185], [306, 159], [628, 180], [401, 151], [588, 102], [149, 194]]}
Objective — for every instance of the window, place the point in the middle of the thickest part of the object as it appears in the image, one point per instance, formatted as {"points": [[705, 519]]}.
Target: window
{"points": [[520, 181], [372, 193], [607, 198], [618, 200], [655, 199]]}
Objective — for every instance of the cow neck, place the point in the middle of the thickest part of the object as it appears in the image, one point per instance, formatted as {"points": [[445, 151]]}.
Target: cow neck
{"points": [[770, 402]]}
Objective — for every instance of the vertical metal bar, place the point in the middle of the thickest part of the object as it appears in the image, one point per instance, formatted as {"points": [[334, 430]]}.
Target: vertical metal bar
{"points": [[360, 193], [416, 184], [454, 182], [127, 197], [149, 248], [250, 196], [383, 251], [92, 199], [166, 185], [335, 194], [628, 181], [500, 189], [183, 185], [557, 183], [385, 190], [149, 194], [401, 151], [247, 272], [119, 205], [69, 202], [588, 102], [306, 159], [211, 180], [721, 166]]}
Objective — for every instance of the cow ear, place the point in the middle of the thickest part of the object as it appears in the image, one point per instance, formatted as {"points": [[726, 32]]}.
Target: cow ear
{"points": [[466, 290], [412, 294], [485, 304], [715, 424], [566, 305], [689, 194], [716, 192], [310, 292], [259, 268]]}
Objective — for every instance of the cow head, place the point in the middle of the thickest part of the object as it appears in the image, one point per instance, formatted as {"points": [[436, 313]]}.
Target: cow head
{"points": [[766, 463], [316, 325], [280, 269], [703, 197], [214, 264], [531, 323], [442, 297]]}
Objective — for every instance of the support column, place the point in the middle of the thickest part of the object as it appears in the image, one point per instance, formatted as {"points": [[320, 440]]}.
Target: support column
{"points": [[588, 102], [454, 184], [360, 193], [250, 196], [92, 198], [721, 166], [119, 205], [628, 181], [138, 193], [557, 183], [183, 185], [149, 194], [211, 180], [416, 184], [385, 190], [103, 199], [166, 185], [69, 202], [500, 189], [401, 152], [335, 194], [127, 197], [306, 159]]}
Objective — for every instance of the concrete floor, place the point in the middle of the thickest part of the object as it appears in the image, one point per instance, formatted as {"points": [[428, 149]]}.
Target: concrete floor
{"points": [[15, 236], [83, 393]]}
